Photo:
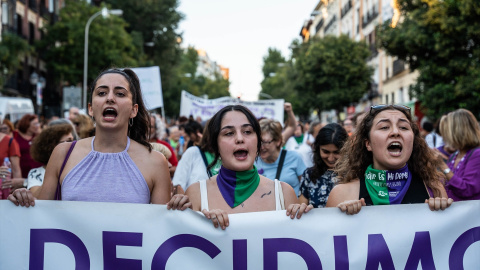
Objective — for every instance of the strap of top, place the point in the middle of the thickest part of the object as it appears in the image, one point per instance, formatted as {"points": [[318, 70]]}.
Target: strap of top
{"points": [[203, 195], [58, 193], [126, 148], [280, 163], [204, 157], [279, 201]]}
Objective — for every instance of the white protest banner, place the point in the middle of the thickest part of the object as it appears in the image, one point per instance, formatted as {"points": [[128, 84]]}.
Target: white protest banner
{"points": [[81, 235], [206, 108], [151, 86]]}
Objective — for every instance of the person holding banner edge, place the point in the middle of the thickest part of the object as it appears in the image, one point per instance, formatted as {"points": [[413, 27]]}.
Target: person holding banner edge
{"points": [[109, 167], [235, 138], [387, 162]]}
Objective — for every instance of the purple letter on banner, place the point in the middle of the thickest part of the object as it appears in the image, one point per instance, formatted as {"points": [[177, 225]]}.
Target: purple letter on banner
{"points": [[460, 246], [421, 252], [38, 238], [271, 248], [110, 242], [341, 252], [180, 241], [378, 253], [240, 254]]}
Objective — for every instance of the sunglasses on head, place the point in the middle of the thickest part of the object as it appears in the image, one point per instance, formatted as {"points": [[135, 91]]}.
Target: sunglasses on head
{"points": [[402, 108]]}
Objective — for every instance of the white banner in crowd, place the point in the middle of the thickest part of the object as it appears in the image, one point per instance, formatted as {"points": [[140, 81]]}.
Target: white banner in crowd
{"points": [[81, 235], [206, 108], [151, 86]]}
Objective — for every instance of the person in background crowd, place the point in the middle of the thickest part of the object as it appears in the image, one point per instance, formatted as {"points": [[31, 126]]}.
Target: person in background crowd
{"points": [[433, 138], [193, 166], [9, 149], [385, 162], [84, 126], [28, 128], [73, 113], [357, 119], [235, 137], [152, 138], [348, 126], [109, 167], [7, 127], [315, 127], [271, 164], [63, 121], [193, 131], [174, 136], [41, 150], [318, 181], [299, 143], [460, 130]]}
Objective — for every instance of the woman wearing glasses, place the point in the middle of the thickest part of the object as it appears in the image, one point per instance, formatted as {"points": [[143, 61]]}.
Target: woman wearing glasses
{"points": [[275, 163], [235, 138], [387, 162], [28, 128]]}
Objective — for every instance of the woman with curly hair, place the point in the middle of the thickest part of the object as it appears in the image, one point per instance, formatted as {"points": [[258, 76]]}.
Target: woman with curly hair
{"points": [[84, 126], [318, 181], [41, 150], [387, 162]]}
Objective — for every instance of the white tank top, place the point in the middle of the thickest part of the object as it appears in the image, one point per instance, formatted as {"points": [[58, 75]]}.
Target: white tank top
{"points": [[279, 201]]}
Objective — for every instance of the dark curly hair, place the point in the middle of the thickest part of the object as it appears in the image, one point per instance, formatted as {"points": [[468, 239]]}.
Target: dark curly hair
{"points": [[43, 144], [355, 158], [215, 125], [141, 123], [330, 134]]}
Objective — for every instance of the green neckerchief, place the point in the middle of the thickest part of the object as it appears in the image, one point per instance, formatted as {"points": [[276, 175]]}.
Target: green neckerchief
{"points": [[299, 139], [215, 168], [236, 187]]}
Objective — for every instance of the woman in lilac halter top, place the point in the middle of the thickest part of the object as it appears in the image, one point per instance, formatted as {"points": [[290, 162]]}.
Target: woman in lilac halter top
{"points": [[118, 164]]}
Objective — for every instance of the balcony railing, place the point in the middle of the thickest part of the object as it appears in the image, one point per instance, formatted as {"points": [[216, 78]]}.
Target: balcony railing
{"points": [[373, 51], [330, 23], [346, 8], [398, 66], [370, 16], [319, 25]]}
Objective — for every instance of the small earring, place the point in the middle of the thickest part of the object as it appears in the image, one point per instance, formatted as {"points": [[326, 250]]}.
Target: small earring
{"points": [[130, 123]]}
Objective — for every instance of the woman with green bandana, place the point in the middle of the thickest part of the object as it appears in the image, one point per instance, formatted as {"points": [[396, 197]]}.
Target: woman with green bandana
{"points": [[235, 139], [386, 161]]}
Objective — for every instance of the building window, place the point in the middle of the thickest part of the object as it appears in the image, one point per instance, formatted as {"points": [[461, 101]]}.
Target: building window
{"points": [[386, 99], [393, 98]]}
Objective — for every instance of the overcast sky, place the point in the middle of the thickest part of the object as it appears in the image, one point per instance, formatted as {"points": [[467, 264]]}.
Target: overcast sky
{"points": [[237, 34]]}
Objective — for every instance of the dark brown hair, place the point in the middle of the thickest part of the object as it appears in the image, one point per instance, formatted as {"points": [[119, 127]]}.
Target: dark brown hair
{"points": [[355, 158], [43, 144]]}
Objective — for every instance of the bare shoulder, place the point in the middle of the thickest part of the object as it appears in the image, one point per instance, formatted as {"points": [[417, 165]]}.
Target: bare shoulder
{"points": [[344, 192], [193, 193], [141, 155]]}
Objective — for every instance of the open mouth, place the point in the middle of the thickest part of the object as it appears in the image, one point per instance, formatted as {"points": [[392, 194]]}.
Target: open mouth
{"points": [[240, 154], [395, 148], [109, 114]]}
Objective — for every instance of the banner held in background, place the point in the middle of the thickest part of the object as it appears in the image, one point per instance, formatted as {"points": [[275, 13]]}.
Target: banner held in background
{"points": [[151, 85], [206, 108]]}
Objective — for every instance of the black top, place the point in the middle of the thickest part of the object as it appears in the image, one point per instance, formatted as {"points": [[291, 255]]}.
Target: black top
{"points": [[416, 193]]}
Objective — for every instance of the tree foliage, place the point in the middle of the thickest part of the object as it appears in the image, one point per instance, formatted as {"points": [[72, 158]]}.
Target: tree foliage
{"points": [[63, 44], [332, 72], [11, 47], [154, 26], [440, 39]]}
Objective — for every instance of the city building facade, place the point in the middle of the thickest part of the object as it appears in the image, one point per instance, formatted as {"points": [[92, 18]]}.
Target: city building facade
{"points": [[358, 19]]}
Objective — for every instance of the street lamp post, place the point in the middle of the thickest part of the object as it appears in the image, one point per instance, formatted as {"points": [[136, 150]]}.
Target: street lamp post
{"points": [[104, 12]]}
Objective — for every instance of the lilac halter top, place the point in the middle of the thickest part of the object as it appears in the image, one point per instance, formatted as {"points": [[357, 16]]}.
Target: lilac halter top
{"points": [[106, 177]]}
